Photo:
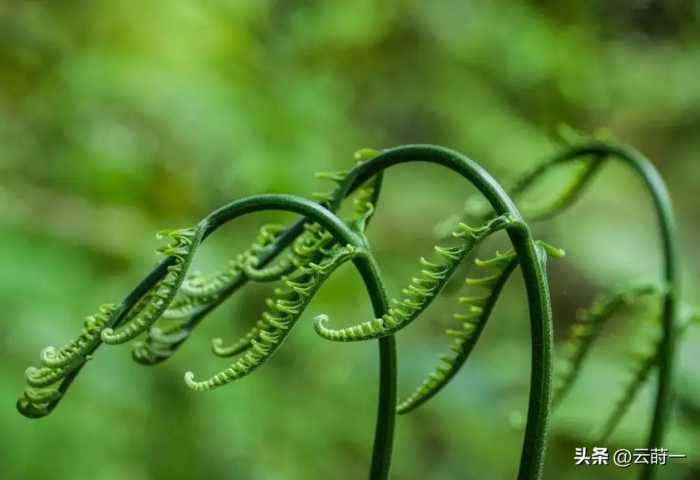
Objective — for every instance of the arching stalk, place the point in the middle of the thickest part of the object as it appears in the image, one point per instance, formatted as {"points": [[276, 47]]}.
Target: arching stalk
{"points": [[532, 456], [656, 187], [367, 267], [121, 325], [369, 271]]}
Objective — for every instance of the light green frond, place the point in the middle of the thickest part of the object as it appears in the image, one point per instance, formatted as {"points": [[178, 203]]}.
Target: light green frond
{"points": [[586, 330], [420, 292], [182, 247], [284, 309], [472, 320]]}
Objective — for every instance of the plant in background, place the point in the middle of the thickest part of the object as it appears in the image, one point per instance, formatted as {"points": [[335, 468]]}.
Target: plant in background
{"points": [[170, 302], [660, 351]]}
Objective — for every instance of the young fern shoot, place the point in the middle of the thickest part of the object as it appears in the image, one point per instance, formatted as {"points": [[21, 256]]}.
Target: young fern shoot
{"points": [[283, 312], [422, 290], [170, 302], [473, 321], [596, 153]]}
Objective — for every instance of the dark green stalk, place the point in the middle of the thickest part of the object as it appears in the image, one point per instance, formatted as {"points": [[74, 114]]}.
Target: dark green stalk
{"points": [[671, 270], [365, 264], [570, 195], [534, 444], [386, 409], [268, 255], [368, 269]]}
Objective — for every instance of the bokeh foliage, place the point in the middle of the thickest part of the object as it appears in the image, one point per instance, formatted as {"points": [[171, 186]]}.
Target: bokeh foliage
{"points": [[121, 118]]}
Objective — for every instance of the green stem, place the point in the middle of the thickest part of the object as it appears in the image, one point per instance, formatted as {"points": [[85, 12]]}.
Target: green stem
{"points": [[572, 193], [532, 456], [268, 255], [386, 408], [369, 271], [365, 264], [671, 273]]}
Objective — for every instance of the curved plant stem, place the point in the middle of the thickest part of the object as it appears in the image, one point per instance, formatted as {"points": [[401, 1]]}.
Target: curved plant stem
{"points": [[671, 270], [369, 271], [534, 443], [288, 236], [570, 195], [366, 266]]}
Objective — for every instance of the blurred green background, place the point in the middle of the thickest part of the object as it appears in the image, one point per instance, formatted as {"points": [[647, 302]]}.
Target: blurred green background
{"points": [[121, 118]]}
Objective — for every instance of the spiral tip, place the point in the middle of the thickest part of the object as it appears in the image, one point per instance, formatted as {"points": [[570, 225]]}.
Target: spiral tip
{"points": [[48, 353], [189, 380], [107, 334], [320, 322], [29, 410], [217, 346], [30, 372]]}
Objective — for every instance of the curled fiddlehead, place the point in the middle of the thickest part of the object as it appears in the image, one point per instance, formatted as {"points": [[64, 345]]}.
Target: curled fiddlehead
{"points": [[215, 284], [55, 358], [422, 290], [200, 295], [149, 300], [248, 261], [532, 267], [58, 363], [283, 311], [314, 245], [47, 383], [182, 248], [196, 296], [531, 262], [478, 309]]}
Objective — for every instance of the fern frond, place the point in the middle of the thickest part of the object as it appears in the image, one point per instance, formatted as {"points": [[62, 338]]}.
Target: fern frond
{"points": [[55, 358], [197, 285], [212, 285], [586, 330], [472, 322], [198, 295], [364, 204], [184, 306], [421, 291], [642, 365], [59, 363], [313, 245], [266, 274], [171, 330], [182, 248], [566, 196], [284, 309]]}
